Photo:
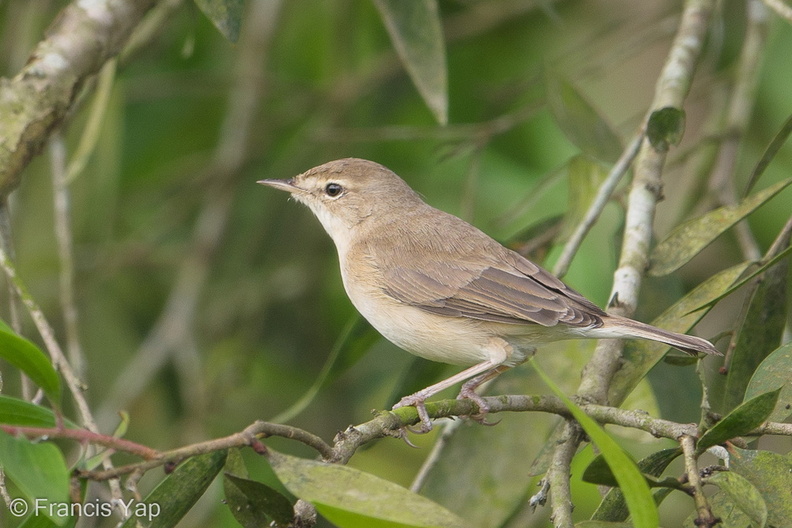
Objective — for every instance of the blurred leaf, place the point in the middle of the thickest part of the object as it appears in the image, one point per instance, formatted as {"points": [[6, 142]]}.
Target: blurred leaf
{"points": [[252, 503], [771, 474], [355, 340], [689, 238], [747, 277], [770, 152], [93, 128], [598, 471], [226, 15], [38, 470], [580, 122], [725, 510], [679, 360], [774, 371], [42, 521], [420, 373], [602, 524], [632, 483], [743, 494], [179, 491], [744, 419], [28, 358], [509, 480], [417, 34], [14, 411], [641, 356], [585, 176], [665, 128], [758, 334], [351, 498]]}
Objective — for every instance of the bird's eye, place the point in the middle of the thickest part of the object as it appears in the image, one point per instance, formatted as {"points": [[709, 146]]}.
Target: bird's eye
{"points": [[333, 189]]}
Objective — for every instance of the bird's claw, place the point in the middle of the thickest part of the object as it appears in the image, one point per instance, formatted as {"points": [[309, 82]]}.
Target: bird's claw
{"points": [[423, 416]]}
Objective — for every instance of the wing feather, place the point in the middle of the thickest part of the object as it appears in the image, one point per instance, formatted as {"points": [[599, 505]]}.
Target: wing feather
{"points": [[470, 275]]}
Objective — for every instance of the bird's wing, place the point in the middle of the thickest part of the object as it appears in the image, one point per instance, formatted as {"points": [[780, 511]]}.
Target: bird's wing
{"points": [[509, 289]]}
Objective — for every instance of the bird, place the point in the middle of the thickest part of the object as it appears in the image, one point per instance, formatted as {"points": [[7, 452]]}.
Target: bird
{"points": [[440, 288]]}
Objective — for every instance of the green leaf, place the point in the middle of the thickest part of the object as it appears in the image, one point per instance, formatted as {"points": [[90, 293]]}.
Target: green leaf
{"points": [[632, 483], [771, 474], [665, 128], [758, 268], [38, 470], [417, 34], [773, 372], [602, 524], [745, 418], [350, 498], [226, 15], [580, 122], [28, 358], [599, 472], [585, 176], [178, 492], [504, 470], [758, 334], [641, 356], [689, 238], [744, 495], [772, 149], [355, 340], [42, 521], [253, 503], [14, 411], [725, 510]]}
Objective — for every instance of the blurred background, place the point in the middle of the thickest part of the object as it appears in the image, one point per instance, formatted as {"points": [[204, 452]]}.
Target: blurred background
{"points": [[207, 301]]}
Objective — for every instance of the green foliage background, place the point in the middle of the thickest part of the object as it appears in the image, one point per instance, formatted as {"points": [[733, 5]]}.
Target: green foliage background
{"points": [[269, 301]]}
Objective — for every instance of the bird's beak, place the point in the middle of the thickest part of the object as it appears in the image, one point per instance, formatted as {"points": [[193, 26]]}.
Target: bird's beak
{"points": [[282, 185]]}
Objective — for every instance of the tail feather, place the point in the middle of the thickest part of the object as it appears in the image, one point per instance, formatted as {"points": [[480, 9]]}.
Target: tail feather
{"points": [[686, 343]]}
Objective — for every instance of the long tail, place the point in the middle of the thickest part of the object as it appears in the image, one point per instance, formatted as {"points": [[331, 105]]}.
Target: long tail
{"points": [[689, 344]]}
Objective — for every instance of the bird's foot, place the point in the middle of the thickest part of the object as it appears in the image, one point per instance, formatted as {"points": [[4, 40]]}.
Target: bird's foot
{"points": [[419, 402], [468, 393]]}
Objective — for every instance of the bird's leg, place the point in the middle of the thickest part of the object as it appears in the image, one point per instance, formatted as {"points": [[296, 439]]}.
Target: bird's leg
{"points": [[418, 399], [468, 392]]}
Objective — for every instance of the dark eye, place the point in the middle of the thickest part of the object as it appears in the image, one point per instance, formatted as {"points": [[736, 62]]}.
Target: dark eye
{"points": [[333, 189]]}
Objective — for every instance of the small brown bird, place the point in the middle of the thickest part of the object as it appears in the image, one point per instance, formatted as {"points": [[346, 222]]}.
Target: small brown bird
{"points": [[440, 288]]}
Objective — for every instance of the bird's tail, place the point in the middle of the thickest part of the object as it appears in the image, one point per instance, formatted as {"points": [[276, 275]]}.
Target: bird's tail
{"points": [[690, 344]]}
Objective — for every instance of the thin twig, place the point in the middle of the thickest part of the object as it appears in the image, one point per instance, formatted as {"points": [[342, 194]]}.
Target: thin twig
{"points": [[598, 204], [558, 475], [174, 327], [248, 437], [84, 436], [722, 182], [63, 234], [7, 243], [76, 387], [385, 424], [780, 8], [704, 515], [671, 90]]}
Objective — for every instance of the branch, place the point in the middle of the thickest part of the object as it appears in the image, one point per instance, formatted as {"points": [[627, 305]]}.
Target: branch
{"points": [[174, 325], [248, 437], [598, 204], [780, 8], [384, 424], [740, 108], [672, 88], [84, 436], [37, 99], [559, 473], [704, 515]]}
